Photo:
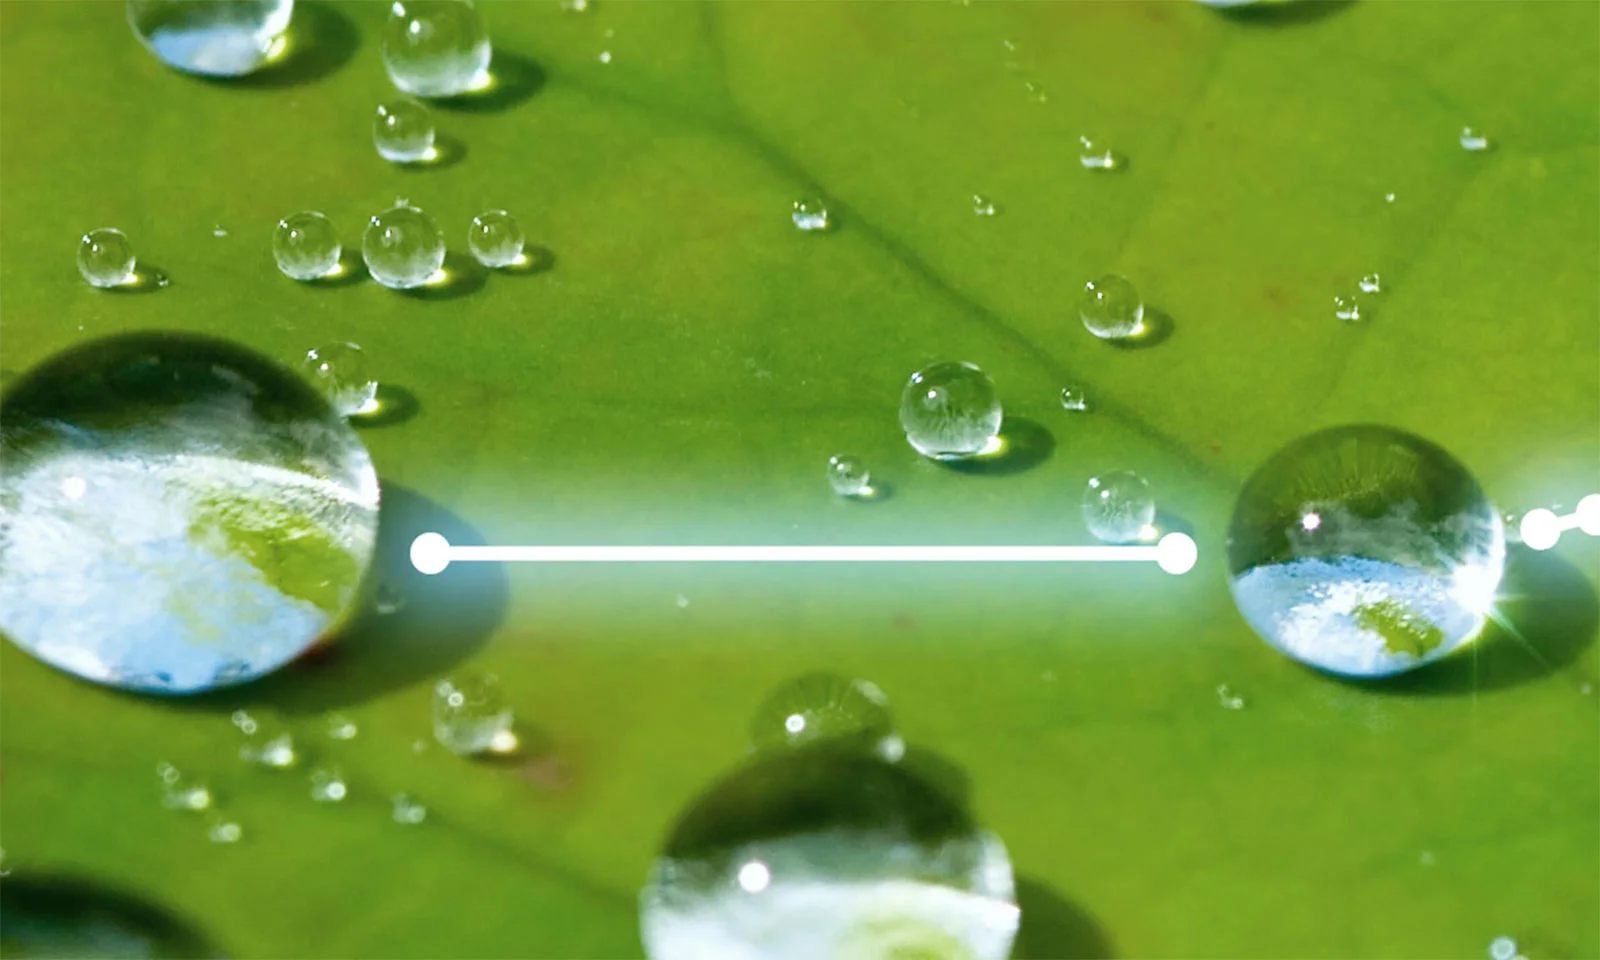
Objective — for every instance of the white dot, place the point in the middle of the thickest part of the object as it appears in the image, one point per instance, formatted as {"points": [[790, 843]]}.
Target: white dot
{"points": [[794, 723], [1176, 553], [1310, 521], [754, 876], [430, 553], [1589, 514], [1540, 529], [73, 488]]}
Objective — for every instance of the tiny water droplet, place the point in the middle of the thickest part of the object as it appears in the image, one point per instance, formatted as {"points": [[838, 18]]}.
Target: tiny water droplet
{"points": [[245, 722], [1118, 507], [1074, 398], [224, 831], [605, 56], [682, 601], [1388, 198], [1035, 92], [575, 6], [1228, 699], [610, 32], [848, 476], [339, 370], [105, 258], [1473, 140], [982, 205], [468, 713], [1426, 859], [1346, 308], [1111, 308], [403, 132], [1009, 45], [1502, 948], [341, 727], [407, 810], [277, 752], [810, 214], [387, 600], [1371, 283], [327, 785], [218, 231], [1096, 154]]}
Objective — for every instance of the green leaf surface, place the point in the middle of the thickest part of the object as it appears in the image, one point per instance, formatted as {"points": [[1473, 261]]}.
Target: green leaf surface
{"points": [[685, 361]]}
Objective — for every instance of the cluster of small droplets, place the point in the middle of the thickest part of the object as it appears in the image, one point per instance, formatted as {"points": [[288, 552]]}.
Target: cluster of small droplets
{"points": [[327, 785], [306, 247], [1075, 399], [496, 239]]}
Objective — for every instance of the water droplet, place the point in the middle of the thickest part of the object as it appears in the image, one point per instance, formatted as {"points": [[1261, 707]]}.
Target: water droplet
{"points": [[1096, 154], [1399, 568], [575, 6], [605, 56], [387, 600], [341, 727], [825, 706], [245, 722], [1035, 91], [227, 521], [1118, 507], [403, 132], [436, 48], [495, 239], [403, 248], [179, 792], [848, 476], [277, 752], [406, 810], [1074, 398], [1473, 140], [982, 205], [1502, 948], [1586, 689], [810, 214], [306, 246], [339, 370], [105, 258], [218, 231], [1426, 858], [1227, 698], [213, 39], [224, 831], [950, 411], [878, 864], [468, 713], [682, 601], [1346, 309], [327, 785], [1111, 308], [1388, 198], [1371, 283]]}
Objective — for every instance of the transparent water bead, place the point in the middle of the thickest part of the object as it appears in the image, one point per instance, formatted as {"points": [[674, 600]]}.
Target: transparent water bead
{"points": [[105, 258], [179, 792], [826, 706], [436, 48], [1119, 508], [848, 476], [1365, 551], [277, 752], [306, 246], [470, 715], [1111, 308], [1346, 309], [1502, 948], [1096, 155], [222, 830], [403, 248], [1472, 140], [950, 411], [176, 513], [1075, 398], [983, 206], [327, 785], [818, 852], [496, 239], [339, 370], [1371, 283], [406, 810], [810, 213], [403, 132], [209, 37]]}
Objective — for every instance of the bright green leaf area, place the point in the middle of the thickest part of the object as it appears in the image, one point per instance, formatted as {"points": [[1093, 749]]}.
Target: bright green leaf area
{"points": [[1400, 627], [689, 360]]}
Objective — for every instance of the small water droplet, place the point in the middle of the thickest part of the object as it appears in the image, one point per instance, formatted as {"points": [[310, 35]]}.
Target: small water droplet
{"points": [[1473, 140], [605, 56], [403, 248], [810, 214], [848, 476], [682, 601], [1228, 699], [407, 810], [1118, 507], [1426, 859], [468, 713], [496, 239], [575, 6], [387, 600], [1074, 398], [1111, 308], [418, 746], [1346, 309], [982, 205], [218, 231], [327, 785], [1096, 154], [1371, 283], [341, 727], [277, 752], [1388, 198], [245, 722], [1502, 948], [224, 831]]}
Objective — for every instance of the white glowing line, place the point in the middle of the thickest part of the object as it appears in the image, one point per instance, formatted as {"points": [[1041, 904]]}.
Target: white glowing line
{"points": [[431, 553]]}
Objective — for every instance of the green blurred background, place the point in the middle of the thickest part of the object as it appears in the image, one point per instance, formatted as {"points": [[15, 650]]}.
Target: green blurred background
{"points": [[684, 365]]}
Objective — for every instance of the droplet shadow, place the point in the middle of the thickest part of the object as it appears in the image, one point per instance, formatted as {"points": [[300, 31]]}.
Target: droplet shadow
{"points": [[463, 276], [513, 78], [1155, 328], [535, 260], [147, 278], [319, 41], [1054, 928], [1024, 444], [395, 405], [51, 915], [1281, 14], [350, 271], [1547, 600]]}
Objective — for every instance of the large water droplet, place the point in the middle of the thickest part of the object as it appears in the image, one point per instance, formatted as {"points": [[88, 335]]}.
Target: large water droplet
{"points": [[1473, 140], [950, 411], [436, 48], [215, 39], [176, 513], [306, 246], [403, 248], [1096, 154], [1365, 551], [848, 476], [105, 258], [403, 132]]}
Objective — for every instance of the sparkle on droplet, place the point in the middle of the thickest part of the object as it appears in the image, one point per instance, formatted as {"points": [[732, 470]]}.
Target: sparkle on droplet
{"points": [[495, 239], [105, 258], [406, 810], [306, 246], [1095, 154], [1502, 948], [1228, 699], [1473, 140], [327, 785], [1111, 308], [950, 411], [810, 214], [982, 205], [436, 48], [212, 39], [1346, 309], [403, 248], [1118, 507], [341, 727], [339, 370], [1371, 283], [1035, 91], [468, 713], [224, 831], [403, 132], [1074, 398], [848, 476], [277, 752], [823, 706]]}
